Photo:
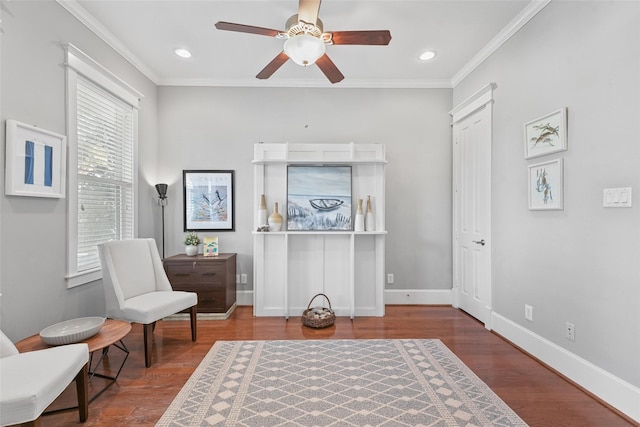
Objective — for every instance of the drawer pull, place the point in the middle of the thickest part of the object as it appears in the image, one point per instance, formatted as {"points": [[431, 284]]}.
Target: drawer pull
{"points": [[208, 300], [208, 274], [181, 274]]}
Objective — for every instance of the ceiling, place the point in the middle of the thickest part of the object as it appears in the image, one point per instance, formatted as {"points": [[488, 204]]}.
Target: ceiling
{"points": [[146, 32]]}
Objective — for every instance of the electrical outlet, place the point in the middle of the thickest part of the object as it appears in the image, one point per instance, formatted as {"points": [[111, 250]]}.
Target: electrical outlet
{"points": [[570, 331], [528, 312], [390, 278], [243, 278]]}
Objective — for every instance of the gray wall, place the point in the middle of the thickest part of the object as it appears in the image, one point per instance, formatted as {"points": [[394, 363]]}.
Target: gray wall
{"points": [[580, 264], [208, 128], [34, 230], [216, 128]]}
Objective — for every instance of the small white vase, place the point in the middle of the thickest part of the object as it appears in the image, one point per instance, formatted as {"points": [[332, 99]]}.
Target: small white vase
{"points": [[359, 224], [369, 219], [191, 250], [275, 219], [262, 212]]}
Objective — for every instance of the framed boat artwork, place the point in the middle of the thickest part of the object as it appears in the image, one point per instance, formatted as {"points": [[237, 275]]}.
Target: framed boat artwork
{"points": [[319, 198]]}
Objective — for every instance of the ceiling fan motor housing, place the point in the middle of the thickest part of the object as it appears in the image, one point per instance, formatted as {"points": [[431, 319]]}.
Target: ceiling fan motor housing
{"points": [[295, 26]]}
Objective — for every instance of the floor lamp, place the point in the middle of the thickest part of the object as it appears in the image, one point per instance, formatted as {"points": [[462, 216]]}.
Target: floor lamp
{"points": [[162, 195]]}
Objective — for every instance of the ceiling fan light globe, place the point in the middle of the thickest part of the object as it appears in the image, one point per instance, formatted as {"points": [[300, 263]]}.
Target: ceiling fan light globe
{"points": [[304, 49]]}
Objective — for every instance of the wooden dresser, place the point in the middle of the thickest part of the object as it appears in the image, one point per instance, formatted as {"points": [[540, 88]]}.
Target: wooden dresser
{"points": [[212, 278]]}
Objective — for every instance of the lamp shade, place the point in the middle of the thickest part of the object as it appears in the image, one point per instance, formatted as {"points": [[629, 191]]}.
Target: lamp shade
{"points": [[162, 190], [304, 49]]}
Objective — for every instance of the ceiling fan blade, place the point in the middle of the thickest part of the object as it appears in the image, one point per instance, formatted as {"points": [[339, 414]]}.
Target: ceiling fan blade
{"points": [[329, 69], [273, 66], [241, 28], [370, 37], [308, 11]]}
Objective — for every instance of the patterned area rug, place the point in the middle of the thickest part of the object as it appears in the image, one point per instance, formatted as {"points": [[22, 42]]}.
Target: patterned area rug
{"points": [[336, 383]]}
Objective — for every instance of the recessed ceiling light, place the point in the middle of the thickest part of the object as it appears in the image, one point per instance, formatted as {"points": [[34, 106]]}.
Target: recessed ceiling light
{"points": [[183, 53], [427, 55]]}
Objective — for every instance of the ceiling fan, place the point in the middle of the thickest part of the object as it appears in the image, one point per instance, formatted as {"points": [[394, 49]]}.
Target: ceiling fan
{"points": [[305, 42]]}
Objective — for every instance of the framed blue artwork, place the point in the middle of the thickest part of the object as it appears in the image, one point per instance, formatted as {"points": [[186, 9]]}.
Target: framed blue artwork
{"points": [[35, 161]]}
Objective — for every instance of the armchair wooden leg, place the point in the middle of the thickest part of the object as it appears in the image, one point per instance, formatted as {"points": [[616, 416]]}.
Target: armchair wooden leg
{"points": [[194, 322], [82, 388], [148, 336]]}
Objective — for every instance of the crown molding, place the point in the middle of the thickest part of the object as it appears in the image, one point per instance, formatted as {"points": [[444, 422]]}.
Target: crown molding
{"points": [[73, 7], [507, 32], [535, 6], [315, 83]]}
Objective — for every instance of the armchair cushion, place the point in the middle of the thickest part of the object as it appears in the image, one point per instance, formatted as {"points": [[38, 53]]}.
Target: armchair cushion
{"points": [[147, 308], [31, 381]]}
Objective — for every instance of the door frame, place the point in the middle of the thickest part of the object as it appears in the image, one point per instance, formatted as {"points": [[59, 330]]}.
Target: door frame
{"points": [[481, 99]]}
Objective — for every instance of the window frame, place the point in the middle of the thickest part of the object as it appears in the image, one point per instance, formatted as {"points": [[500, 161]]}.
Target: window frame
{"points": [[78, 63]]}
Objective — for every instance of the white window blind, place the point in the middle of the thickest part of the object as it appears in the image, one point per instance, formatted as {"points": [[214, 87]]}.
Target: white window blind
{"points": [[102, 136], [105, 171]]}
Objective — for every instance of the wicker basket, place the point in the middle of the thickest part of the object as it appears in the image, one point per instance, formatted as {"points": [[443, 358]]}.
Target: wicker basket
{"points": [[318, 317]]}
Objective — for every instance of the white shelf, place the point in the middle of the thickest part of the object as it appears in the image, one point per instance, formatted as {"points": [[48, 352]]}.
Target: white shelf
{"points": [[327, 233], [285, 153], [315, 162], [290, 267]]}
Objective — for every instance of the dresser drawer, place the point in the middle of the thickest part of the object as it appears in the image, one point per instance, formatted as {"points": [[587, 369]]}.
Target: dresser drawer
{"points": [[211, 301], [198, 274], [197, 287]]}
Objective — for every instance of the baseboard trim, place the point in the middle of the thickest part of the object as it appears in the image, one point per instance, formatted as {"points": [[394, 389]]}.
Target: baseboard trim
{"points": [[417, 296], [244, 297], [617, 393], [391, 297]]}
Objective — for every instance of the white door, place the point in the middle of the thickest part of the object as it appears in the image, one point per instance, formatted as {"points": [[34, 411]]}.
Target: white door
{"points": [[472, 211]]}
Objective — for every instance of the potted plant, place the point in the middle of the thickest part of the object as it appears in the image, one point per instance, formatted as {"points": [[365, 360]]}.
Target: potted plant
{"points": [[191, 242]]}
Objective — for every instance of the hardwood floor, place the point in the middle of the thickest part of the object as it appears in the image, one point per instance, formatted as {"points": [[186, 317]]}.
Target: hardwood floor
{"points": [[141, 395]]}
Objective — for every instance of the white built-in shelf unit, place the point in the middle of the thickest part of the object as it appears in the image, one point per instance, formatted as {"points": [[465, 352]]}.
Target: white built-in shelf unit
{"points": [[290, 267]]}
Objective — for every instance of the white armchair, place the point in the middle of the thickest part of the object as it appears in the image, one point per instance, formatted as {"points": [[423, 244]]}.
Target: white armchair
{"points": [[137, 289], [31, 381]]}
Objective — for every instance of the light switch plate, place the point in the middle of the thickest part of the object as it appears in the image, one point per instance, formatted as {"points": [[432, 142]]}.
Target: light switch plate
{"points": [[616, 197]]}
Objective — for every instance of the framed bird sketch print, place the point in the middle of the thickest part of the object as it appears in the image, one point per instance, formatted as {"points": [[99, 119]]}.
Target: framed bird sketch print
{"points": [[546, 134], [208, 200], [545, 185]]}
